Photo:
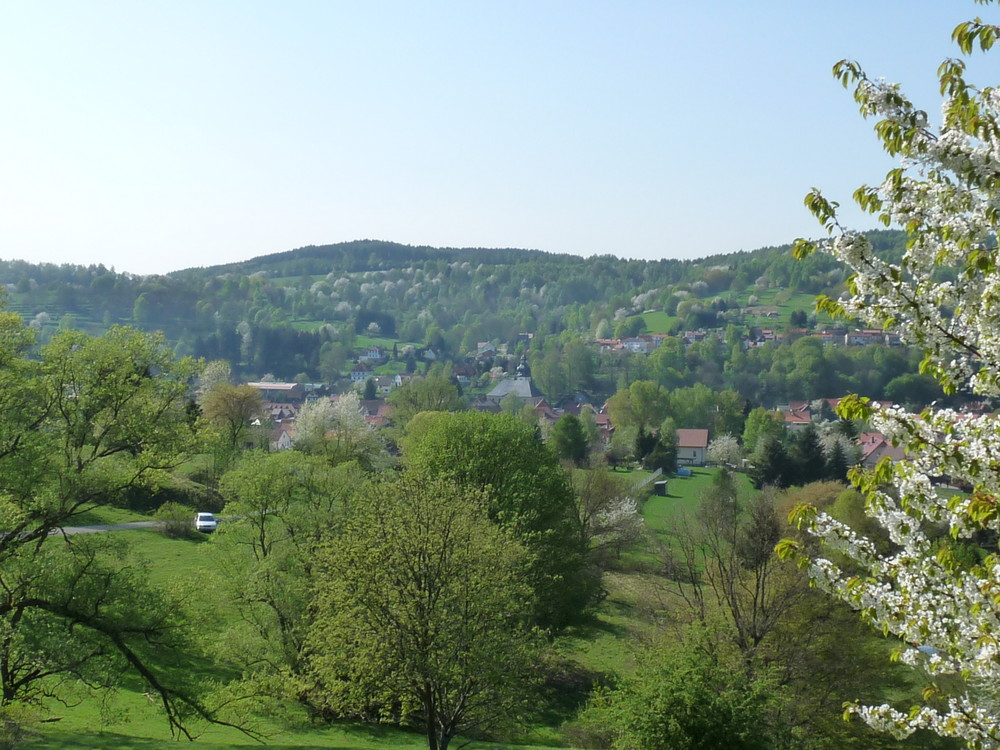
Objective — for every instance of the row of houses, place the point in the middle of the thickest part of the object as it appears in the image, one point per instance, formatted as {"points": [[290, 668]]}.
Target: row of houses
{"points": [[838, 336], [650, 342], [757, 336]]}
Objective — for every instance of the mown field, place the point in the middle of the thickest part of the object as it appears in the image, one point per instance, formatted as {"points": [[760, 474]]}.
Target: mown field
{"points": [[629, 615]]}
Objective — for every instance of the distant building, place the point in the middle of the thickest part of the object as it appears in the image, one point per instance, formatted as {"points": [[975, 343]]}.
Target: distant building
{"points": [[691, 447], [871, 336], [280, 412], [282, 437], [361, 372], [520, 385], [640, 344], [373, 354], [280, 392], [798, 414], [875, 446], [401, 378]]}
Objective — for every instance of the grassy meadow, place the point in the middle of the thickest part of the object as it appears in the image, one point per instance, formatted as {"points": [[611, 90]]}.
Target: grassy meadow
{"points": [[631, 613]]}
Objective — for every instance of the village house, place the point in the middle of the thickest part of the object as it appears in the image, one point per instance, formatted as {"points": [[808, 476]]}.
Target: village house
{"points": [[797, 414], [373, 354], [282, 437], [874, 446], [605, 429], [691, 337], [640, 344], [691, 447], [376, 411], [361, 372], [608, 345], [867, 337], [795, 419], [464, 373], [384, 384], [280, 392], [280, 412], [545, 414]]}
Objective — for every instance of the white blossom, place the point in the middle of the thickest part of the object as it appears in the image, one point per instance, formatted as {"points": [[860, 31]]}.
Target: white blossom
{"points": [[943, 296]]}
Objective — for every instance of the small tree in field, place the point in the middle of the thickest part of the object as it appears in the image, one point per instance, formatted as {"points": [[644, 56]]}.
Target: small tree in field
{"points": [[725, 449], [177, 519], [944, 297]]}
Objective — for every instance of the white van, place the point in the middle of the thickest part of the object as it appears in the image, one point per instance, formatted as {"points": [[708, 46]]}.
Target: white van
{"points": [[205, 522]]}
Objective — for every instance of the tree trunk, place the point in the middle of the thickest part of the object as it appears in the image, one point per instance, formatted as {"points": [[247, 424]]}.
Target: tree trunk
{"points": [[431, 722]]}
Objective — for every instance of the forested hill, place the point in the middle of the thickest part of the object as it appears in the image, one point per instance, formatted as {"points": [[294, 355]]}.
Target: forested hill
{"points": [[359, 256], [297, 313], [374, 255]]}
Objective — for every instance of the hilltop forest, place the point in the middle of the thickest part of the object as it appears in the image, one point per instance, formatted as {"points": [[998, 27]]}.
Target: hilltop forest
{"points": [[302, 314]]}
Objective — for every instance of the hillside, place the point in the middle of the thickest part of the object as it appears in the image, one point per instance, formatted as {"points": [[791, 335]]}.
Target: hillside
{"points": [[301, 313]]}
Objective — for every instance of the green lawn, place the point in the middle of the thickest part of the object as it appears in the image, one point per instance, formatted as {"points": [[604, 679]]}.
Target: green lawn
{"points": [[683, 496], [395, 367], [306, 325], [107, 514], [659, 322], [146, 730], [786, 301], [143, 728]]}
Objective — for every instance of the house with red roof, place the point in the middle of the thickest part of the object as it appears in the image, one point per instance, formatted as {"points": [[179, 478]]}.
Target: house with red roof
{"points": [[874, 447], [691, 447]]}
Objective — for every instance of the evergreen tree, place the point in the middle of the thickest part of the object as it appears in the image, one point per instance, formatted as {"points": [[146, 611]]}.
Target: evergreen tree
{"points": [[809, 464], [663, 456], [770, 464], [836, 465], [644, 443], [569, 440]]}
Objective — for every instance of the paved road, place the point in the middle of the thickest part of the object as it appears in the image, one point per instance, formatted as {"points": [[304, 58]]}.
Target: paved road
{"points": [[107, 527]]}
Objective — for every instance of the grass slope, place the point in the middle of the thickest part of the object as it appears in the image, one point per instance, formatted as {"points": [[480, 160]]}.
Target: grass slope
{"points": [[629, 614]]}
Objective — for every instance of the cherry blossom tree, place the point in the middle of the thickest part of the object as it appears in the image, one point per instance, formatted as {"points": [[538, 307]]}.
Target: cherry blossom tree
{"points": [[339, 430], [725, 449], [943, 296]]}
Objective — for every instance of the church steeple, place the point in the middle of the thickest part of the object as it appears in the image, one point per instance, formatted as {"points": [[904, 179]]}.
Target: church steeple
{"points": [[523, 371]]}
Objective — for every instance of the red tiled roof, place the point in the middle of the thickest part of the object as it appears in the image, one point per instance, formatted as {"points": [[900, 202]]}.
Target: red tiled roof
{"points": [[692, 438]]}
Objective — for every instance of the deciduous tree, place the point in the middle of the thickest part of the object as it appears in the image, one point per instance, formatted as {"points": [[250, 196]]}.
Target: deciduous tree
{"points": [[724, 450], [87, 422], [761, 423], [609, 516], [432, 393], [282, 507], [339, 431], [688, 697], [231, 408], [422, 612], [529, 494]]}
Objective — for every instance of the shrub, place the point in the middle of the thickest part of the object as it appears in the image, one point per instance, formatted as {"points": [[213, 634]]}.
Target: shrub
{"points": [[177, 519]]}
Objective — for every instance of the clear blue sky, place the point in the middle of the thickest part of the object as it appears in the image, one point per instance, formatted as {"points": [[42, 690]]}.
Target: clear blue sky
{"points": [[163, 134]]}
